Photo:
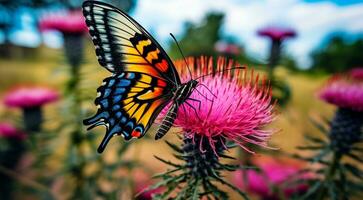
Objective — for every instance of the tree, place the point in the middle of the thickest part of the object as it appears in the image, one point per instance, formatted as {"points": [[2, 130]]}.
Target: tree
{"points": [[199, 39], [338, 55]]}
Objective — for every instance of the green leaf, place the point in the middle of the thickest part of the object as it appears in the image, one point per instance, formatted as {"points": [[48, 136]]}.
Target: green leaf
{"points": [[353, 170], [355, 157], [242, 194], [196, 190], [174, 147], [313, 189], [167, 162]]}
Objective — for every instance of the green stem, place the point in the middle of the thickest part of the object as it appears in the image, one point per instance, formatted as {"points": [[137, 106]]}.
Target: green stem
{"points": [[330, 175]]}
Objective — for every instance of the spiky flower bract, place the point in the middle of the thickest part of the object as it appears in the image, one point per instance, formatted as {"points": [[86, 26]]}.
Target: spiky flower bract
{"points": [[339, 179], [228, 106]]}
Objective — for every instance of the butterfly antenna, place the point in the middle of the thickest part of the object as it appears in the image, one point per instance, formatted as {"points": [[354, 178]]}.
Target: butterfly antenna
{"points": [[232, 68], [185, 60]]}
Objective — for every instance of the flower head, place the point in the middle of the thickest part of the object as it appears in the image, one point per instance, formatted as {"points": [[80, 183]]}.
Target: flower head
{"points": [[9, 131], [276, 33], [357, 74], [27, 97], [71, 22], [274, 173], [234, 107], [343, 92]]}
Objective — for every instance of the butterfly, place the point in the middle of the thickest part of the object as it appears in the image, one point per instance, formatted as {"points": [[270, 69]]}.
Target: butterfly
{"points": [[144, 79]]}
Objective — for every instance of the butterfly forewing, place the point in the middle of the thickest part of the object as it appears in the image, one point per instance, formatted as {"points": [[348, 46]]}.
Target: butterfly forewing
{"points": [[143, 75], [122, 45]]}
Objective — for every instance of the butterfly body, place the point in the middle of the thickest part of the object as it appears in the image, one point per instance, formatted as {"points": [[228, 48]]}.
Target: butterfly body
{"points": [[143, 82], [182, 94]]}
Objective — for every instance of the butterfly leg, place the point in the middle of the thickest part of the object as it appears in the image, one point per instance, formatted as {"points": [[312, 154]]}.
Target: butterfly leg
{"points": [[195, 110], [209, 90], [197, 100], [203, 95]]}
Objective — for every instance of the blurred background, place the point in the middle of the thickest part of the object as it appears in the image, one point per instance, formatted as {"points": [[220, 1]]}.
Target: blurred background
{"points": [[298, 44]]}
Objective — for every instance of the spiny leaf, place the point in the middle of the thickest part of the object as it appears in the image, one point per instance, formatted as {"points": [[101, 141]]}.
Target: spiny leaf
{"points": [[244, 195], [355, 157], [196, 190], [314, 139], [167, 173], [353, 170], [312, 189], [167, 162], [174, 147], [319, 127]]}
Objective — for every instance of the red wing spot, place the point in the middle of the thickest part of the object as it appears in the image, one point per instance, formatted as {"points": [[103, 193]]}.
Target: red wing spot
{"points": [[161, 83], [162, 66], [136, 133]]}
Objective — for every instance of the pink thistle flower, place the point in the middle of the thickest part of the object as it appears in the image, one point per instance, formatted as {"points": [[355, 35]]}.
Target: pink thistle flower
{"points": [[277, 33], [239, 111], [27, 97], [343, 93], [275, 173], [71, 22], [356, 74], [9, 131]]}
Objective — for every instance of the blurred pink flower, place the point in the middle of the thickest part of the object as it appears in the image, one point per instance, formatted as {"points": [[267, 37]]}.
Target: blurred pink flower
{"points": [[71, 22], [9, 131], [227, 48], [142, 182], [343, 93], [239, 110], [26, 97], [356, 74], [276, 33], [274, 174]]}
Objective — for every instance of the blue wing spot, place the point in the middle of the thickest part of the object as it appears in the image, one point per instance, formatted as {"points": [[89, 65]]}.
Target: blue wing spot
{"points": [[119, 91], [104, 103], [123, 120], [112, 81], [124, 83], [130, 75], [117, 99], [130, 124], [116, 107], [112, 121], [107, 93], [121, 75], [118, 114]]}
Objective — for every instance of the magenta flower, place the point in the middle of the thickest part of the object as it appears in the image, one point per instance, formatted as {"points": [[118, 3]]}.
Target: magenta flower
{"points": [[356, 74], [227, 48], [239, 111], [71, 22], [277, 33], [275, 174], [343, 93], [26, 97], [30, 100], [9, 131]]}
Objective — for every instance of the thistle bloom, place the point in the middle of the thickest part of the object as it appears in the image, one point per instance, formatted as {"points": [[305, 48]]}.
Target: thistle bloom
{"points": [[357, 73], [277, 33], [227, 107], [26, 97], [9, 131], [66, 22], [73, 27], [346, 92], [343, 94], [277, 175], [30, 100]]}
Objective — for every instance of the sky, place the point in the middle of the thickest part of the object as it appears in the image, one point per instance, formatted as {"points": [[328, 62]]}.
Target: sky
{"points": [[312, 19]]}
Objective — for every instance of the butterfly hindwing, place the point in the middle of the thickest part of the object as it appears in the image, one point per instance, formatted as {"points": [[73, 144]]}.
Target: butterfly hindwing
{"points": [[122, 45], [128, 104]]}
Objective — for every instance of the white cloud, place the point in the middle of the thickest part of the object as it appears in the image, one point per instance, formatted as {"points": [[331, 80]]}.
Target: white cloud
{"points": [[243, 18]]}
